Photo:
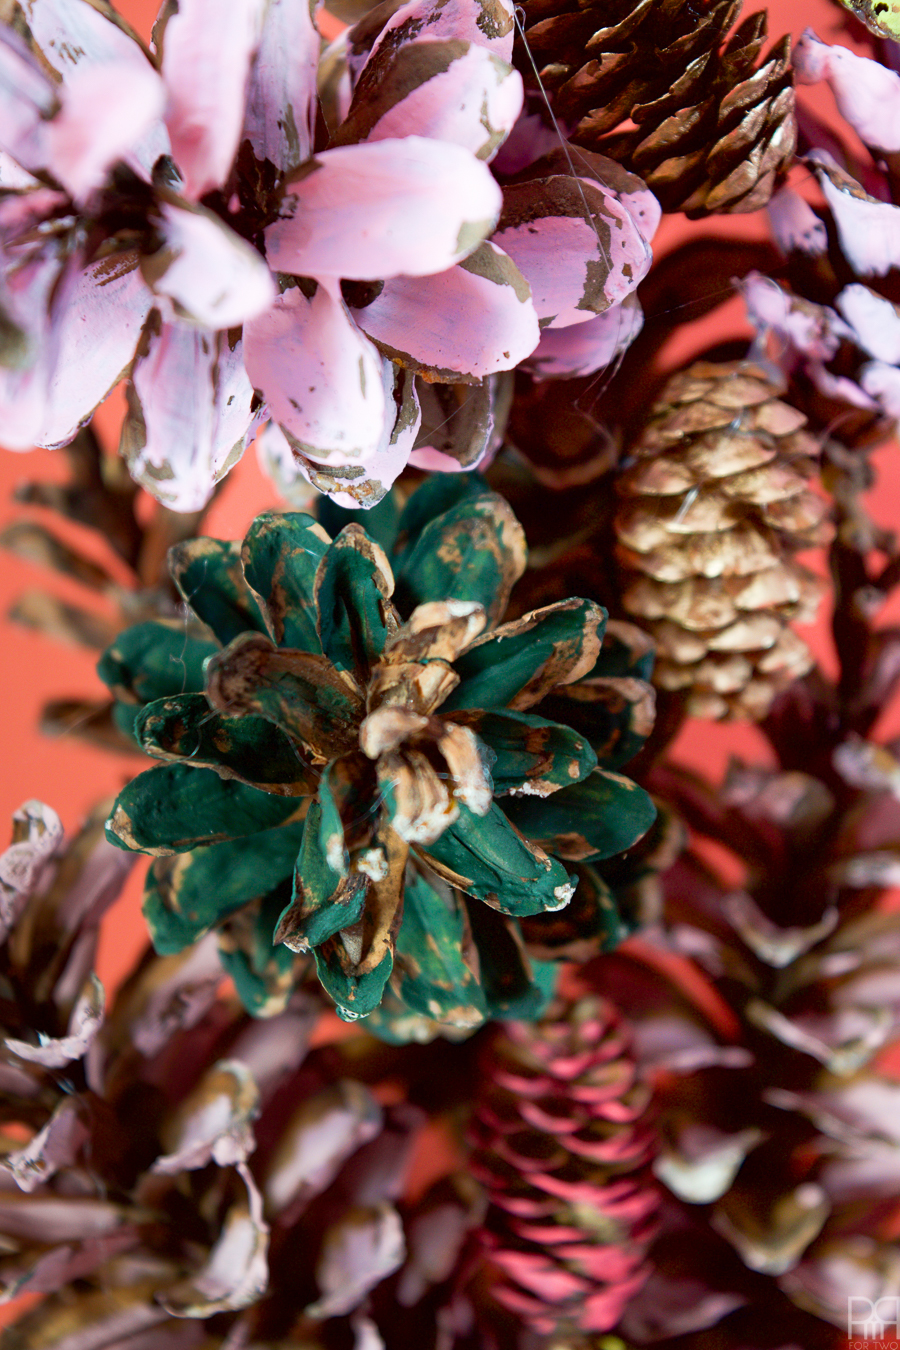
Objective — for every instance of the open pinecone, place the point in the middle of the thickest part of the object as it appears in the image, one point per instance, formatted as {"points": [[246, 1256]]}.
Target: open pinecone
{"points": [[76, 1123], [563, 1146], [53, 894], [714, 128], [340, 732], [713, 509], [779, 1137]]}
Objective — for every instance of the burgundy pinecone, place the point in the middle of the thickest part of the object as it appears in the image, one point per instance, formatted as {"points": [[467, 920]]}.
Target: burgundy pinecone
{"points": [[563, 1146]]}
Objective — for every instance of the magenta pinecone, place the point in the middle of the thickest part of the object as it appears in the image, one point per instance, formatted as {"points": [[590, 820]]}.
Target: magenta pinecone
{"points": [[563, 1145]]}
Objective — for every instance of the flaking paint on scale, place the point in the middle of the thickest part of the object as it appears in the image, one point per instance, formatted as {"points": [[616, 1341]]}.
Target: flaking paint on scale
{"points": [[114, 267], [471, 234], [494, 21], [495, 138], [481, 536], [288, 124], [491, 265], [120, 824], [564, 894]]}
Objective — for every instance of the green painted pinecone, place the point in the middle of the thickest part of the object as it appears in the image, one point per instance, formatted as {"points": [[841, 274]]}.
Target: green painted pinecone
{"points": [[563, 1146], [714, 125], [340, 737], [712, 512]]}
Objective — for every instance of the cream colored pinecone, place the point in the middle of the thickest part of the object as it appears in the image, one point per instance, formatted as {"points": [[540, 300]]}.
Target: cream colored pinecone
{"points": [[714, 507]]}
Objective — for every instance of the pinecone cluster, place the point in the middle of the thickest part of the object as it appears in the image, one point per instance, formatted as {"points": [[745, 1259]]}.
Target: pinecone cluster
{"points": [[340, 730], [398, 1071], [563, 1146], [162, 1162], [714, 126], [713, 510]]}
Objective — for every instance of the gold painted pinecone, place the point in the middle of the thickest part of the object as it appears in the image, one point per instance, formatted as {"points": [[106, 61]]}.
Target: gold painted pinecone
{"points": [[714, 126], [714, 507]]}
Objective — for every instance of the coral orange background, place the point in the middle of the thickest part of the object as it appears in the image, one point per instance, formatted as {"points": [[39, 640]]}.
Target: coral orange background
{"points": [[72, 777]]}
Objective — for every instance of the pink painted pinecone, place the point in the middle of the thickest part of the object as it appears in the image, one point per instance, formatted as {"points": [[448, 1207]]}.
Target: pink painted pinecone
{"points": [[563, 1146]]}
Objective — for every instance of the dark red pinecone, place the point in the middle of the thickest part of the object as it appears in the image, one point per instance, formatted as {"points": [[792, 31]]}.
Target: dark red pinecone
{"points": [[563, 1146]]}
